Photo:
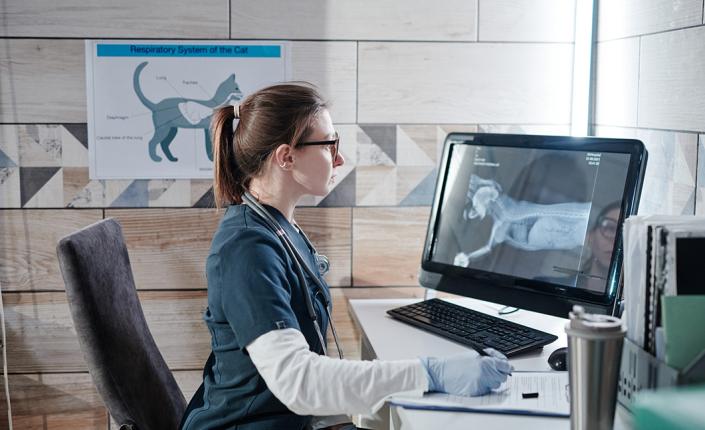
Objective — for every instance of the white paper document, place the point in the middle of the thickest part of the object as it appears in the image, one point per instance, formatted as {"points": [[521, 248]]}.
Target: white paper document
{"points": [[551, 387]]}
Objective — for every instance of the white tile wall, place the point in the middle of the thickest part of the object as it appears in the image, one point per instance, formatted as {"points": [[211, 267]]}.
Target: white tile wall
{"points": [[43, 80], [617, 82], [124, 18], [464, 83], [623, 18], [670, 179], [355, 20], [332, 66], [526, 20], [700, 194], [547, 130], [672, 80]]}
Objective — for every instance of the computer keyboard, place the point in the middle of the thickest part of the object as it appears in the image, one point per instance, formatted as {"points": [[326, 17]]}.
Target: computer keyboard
{"points": [[472, 328]]}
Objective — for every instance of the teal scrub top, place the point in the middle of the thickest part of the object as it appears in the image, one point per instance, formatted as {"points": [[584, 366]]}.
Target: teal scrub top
{"points": [[252, 289]]}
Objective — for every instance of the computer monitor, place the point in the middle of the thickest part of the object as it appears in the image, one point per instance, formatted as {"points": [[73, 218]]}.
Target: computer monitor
{"points": [[532, 222]]}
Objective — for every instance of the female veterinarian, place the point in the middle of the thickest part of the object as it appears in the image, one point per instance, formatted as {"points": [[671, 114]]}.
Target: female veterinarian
{"points": [[268, 305]]}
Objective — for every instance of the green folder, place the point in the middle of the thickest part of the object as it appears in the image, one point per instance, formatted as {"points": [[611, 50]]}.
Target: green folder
{"points": [[683, 322], [671, 409]]}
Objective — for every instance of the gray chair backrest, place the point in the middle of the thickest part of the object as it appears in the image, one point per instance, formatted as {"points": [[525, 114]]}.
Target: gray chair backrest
{"points": [[125, 364]]}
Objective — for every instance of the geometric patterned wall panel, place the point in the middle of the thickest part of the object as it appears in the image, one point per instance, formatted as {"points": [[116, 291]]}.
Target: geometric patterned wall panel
{"points": [[46, 166]]}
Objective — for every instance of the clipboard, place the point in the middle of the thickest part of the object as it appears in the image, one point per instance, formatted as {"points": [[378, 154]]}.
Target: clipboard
{"points": [[553, 397]]}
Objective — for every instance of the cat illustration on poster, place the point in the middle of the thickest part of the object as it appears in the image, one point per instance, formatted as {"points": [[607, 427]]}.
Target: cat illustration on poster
{"points": [[170, 114]]}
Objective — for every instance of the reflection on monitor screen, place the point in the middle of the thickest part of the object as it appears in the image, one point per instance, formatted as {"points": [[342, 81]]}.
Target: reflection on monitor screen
{"points": [[538, 214]]}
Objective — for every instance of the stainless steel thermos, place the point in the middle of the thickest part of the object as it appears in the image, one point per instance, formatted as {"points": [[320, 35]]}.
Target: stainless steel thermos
{"points": [[594, 355]]}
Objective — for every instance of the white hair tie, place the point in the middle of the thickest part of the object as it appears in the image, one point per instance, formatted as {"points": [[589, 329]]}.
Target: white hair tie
{"points": [[236, 110]]}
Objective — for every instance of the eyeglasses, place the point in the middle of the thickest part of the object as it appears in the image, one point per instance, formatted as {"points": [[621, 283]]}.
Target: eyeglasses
{"points": [[607, 227], [333, 144]]}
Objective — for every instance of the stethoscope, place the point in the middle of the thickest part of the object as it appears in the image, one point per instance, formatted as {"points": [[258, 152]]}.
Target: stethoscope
{"points": [[300, 264]]}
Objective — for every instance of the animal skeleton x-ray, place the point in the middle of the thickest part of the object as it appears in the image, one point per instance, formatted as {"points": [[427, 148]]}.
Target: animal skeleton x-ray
{"points": [[522, 224]]}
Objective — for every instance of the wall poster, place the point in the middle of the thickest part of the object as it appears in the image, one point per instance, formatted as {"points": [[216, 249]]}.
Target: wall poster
{"points": [[150, 102]]}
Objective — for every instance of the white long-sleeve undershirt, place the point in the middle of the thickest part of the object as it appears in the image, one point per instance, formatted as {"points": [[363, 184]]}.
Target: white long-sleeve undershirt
{"points": [[312, 384]]}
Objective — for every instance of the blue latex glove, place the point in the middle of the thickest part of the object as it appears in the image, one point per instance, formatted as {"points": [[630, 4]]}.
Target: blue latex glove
{"points": [[467, 373]]}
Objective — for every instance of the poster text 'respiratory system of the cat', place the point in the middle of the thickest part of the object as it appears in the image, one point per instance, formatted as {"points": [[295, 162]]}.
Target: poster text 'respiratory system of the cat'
{"points": [[150, 102]]}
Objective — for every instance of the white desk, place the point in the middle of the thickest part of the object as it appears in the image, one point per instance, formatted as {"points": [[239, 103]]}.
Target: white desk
{"points": [[387, 339]]}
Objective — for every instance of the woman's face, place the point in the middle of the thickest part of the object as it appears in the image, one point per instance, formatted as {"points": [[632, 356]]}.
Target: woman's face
{"points": [[603, 237], [314, 169]]}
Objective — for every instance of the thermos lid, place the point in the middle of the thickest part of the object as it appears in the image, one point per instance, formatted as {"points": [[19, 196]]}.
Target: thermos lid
{"points": [[585, 324]]}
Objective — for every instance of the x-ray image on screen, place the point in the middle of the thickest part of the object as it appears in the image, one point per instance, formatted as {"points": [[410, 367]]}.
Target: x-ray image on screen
{"points": [[522, 224], [531, 213]]}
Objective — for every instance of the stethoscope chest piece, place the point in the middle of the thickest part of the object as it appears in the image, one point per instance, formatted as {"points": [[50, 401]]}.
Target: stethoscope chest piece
{"points": [[322, 263]]}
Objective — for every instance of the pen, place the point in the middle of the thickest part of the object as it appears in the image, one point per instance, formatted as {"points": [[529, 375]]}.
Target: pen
{"points": [[480, 350]]}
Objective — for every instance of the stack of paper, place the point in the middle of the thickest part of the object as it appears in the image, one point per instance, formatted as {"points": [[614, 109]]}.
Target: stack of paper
{"points": [[651, 269]]}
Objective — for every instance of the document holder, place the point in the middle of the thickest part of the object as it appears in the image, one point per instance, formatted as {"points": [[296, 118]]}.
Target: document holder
{"points": [[640, 370]]}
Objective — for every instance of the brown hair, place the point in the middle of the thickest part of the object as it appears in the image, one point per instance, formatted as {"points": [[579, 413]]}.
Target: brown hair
{"points": [[272, 116]]}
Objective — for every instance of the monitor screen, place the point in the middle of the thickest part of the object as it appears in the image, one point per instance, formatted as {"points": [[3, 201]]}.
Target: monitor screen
{"points": [[544, 213]]}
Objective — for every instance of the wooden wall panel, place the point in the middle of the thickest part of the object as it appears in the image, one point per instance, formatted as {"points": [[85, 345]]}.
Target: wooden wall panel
{"points": [[464, 83], [28, 241], [69, 400], [332, 66], [330, 230], [387, 245], [526, 20], [42, 80], [361, 20], [189, 381], [168, 247], [69, 421], [175, 319], [127, 19], [41, 336], [624, 18], [671, 89], [617, 82], [54, 402]]}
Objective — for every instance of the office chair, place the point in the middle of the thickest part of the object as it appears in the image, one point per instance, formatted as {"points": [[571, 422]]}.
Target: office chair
{"points": [[127, 368]]}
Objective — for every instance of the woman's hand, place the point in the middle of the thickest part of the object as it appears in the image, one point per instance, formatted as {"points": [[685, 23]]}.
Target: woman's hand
{"points": [[467, 373]]}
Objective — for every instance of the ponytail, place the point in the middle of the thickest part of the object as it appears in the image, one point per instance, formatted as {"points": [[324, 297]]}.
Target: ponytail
{"points": [[228, 179]]}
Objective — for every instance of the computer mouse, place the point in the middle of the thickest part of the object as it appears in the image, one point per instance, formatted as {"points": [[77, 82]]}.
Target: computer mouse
{"points": [[558, 360]]}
